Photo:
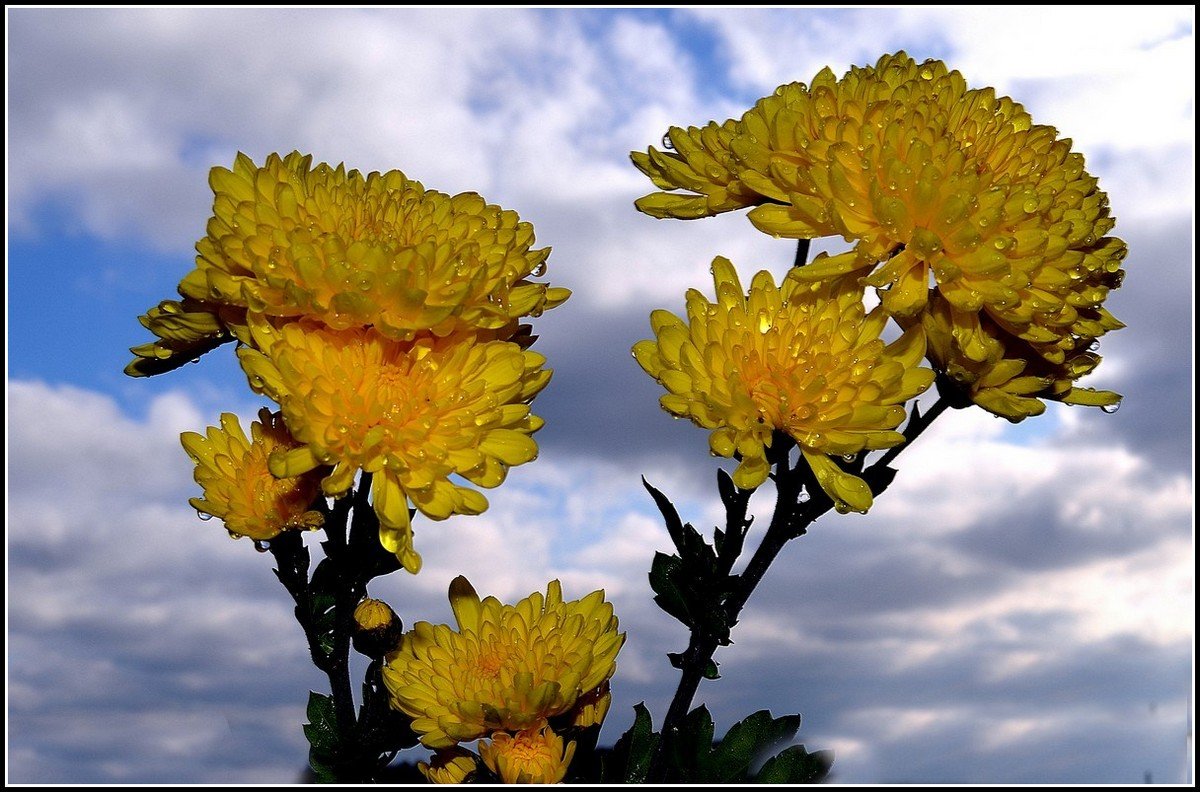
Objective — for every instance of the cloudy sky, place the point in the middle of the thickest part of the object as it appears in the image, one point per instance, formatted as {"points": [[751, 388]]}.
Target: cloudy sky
{"points": [[1017, 608]]}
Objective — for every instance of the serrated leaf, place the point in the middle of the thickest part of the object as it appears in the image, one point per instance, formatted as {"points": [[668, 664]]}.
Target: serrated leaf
{"points": [[747, 741], [323, 772], [795, 765], [665, 570], [321, 729], [687, 750], [629, 761]]}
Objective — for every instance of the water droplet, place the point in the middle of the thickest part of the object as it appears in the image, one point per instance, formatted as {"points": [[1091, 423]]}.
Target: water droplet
{"points": [[1092, 347], [261, 546], [666, 142], [803, 497], [539, 270], [1111, 408], [848, 457], [205, 516]]}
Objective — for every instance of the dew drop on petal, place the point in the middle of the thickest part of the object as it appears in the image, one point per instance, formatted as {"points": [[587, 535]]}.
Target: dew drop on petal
{"points": [[1111, 408], [205, 516], [260, 546], [1092, 347], [666, 142]]}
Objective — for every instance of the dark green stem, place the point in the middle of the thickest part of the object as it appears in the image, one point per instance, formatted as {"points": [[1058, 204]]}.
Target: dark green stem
{"points": [[790, 519]]}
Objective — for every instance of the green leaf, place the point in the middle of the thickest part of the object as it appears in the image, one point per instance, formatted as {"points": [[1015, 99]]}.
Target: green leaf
{"points": [[795, 765], [323, 772], [321, 729], [747, 741], [664, 572], [629, 761], [687, 750], [710, 670]]}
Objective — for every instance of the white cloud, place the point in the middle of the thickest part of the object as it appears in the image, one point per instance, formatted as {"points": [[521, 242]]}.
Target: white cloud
{"points": [[120, 600]]}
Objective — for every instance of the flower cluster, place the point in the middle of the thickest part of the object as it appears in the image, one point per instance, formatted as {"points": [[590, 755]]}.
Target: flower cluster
{"points": [[804, 358], [504, 674], [383, 318], [928, 179]]}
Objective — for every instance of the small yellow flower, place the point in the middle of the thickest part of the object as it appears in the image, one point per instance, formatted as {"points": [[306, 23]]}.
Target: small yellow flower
{"points": [[238, 484], [1011, 379], [532, 756], [412, 414], [289, 240], [507, 667], [926, 177], [449, 766], [805, 359]]}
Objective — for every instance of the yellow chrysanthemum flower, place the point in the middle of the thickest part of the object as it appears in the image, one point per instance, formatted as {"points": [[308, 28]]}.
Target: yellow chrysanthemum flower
{"points": [[507, 667], [532, 756], [805, 359], [1010, 380], [290, 240], [412, 414], [924, 176], [238, 485], [449, 766]]}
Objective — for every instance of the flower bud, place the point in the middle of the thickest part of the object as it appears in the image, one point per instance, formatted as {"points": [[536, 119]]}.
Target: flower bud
{"points": [[377, 629]]}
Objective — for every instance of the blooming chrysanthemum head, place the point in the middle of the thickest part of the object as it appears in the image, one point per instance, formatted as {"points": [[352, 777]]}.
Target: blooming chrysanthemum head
{"points": [[1010, 381], [531, 756], [289, 239], [449, 766], [924, 176], [412, 414], [506, 667], [238, 484], [805, 359]]}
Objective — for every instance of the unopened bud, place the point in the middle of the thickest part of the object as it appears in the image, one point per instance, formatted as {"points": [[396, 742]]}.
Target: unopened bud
{"points": [[377, 628]]}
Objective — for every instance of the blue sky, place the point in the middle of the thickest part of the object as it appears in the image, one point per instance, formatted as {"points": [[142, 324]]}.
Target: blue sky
{"points": [[1017, 608]]}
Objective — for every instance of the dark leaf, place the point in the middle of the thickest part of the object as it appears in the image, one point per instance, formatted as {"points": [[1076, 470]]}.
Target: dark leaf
{"points": [[710, 670], [629, 761], [321, 729], [796, 765], [687, 750], [747, 742], [665, 571]]}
